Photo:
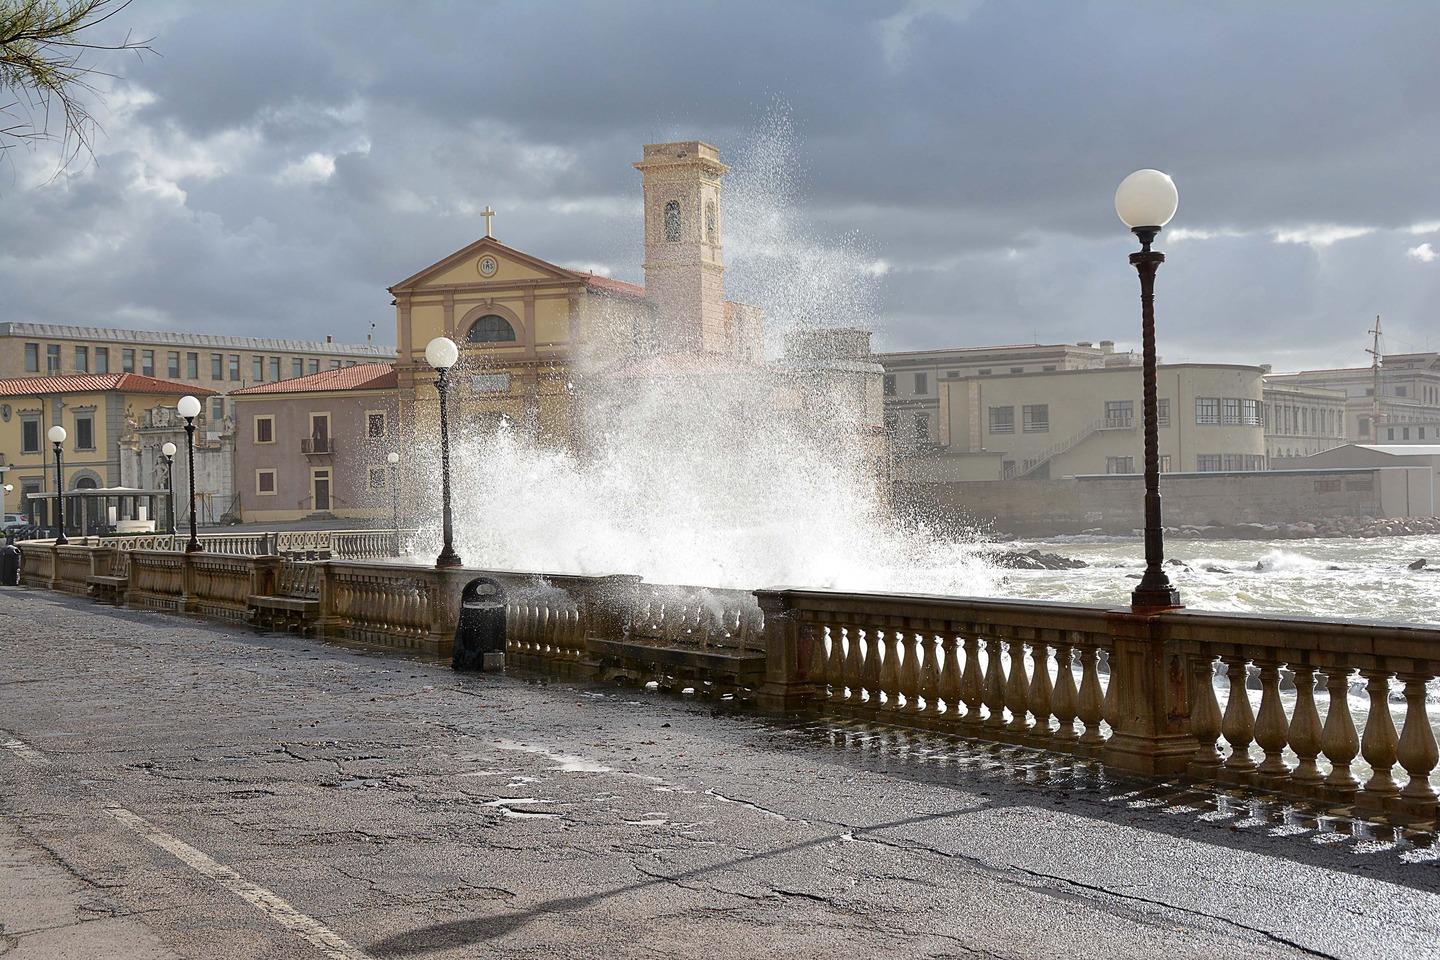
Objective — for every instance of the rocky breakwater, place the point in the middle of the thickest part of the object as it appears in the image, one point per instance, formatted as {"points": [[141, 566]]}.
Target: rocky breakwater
{"points": [[1033, 560], [1357, 527]]}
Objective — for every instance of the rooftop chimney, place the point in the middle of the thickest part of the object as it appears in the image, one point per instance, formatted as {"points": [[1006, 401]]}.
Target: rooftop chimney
{"points": [[1083, 343]]}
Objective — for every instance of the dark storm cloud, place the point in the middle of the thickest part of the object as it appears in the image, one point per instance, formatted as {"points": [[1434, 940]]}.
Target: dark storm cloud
{"points": [[280, 164]]}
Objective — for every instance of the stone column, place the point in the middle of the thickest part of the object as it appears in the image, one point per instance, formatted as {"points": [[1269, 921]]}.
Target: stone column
{"points": [[788, 655], [1150, 692]]}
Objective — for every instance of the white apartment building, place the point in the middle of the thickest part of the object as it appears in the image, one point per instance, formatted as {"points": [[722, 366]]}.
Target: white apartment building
{"points": [[1409, 397]]}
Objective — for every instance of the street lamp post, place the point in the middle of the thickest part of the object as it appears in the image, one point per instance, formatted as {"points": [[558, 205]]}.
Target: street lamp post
{"points": [[1145, 201], [168, 452], [57, 436], [393, 458], [441, 353], [189, 408]]}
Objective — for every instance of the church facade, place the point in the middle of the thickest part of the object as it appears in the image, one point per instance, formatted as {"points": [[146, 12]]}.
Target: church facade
{"points": [[531, 332]]}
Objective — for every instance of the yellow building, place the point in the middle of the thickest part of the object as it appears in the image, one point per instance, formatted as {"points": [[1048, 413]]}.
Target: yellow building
{"points": [[98, 412], [530, 331]]}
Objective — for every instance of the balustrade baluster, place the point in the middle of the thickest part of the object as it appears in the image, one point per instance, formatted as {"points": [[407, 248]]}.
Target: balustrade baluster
{"points": [[1304, 728], [853, 663], [1111, 701], [835, 663], [971, 683], [1238, 724], [1341, 744], [1272, 730], [929, 675], [1417, 751], [994, 685], [1092, 706], [1065, 696], [814, 633], [910, 673], [1380, 742], [1204, 717], [1017, 690], [948, 688], [883, 677], [1040, 690]]}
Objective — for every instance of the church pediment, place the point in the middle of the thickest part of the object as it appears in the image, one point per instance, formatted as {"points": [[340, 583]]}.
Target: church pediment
{"points": [[485, 262]]}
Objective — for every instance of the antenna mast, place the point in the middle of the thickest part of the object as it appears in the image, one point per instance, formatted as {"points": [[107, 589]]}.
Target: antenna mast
{"points": [[1376, 358]]}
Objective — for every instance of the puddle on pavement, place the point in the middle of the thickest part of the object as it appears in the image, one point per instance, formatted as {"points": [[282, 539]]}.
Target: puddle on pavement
{"points": [[566, 762]]}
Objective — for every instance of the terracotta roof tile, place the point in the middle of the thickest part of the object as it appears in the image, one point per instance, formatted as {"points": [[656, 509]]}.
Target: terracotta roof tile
{"points": [[362, 376], [97, 382], [609, 285]]}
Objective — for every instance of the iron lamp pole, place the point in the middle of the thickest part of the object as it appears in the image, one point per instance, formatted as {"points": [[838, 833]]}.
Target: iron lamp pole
{"points": [[1145, 201], [168, 452], [441, 353], [393, 458], [189, 408], [57, 436]]}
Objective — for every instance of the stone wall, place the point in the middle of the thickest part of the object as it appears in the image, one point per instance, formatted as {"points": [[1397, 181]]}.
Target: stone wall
{"points": [[1114, 504]]}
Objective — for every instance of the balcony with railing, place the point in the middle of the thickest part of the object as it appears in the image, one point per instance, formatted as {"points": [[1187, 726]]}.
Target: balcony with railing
{"points": [[317, 446]]}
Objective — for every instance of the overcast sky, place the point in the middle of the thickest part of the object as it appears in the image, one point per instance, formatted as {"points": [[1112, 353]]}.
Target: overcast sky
{"points": [[950, 165]]}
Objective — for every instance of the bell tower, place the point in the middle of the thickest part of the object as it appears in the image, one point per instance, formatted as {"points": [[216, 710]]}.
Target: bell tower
{"points": [[684, 269]]}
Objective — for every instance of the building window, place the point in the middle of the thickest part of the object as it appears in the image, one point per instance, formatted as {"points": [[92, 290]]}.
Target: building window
{"points": [[30, 435], [985, 372], [1017, 369], [889, 384], [1048, 368], [490, 329], [672, 221], [1162, 412], [297, 367], [1119, 464], [82, 359], [377, 478], [257, 368], [712, 227], [334, 364], [147, 362], [1250, 413], [1363, 425], [1402, 391], [1164, 463], [127, 360], [1035, 417], [84, 432], [274, 368], [217, 366], [52, 358], [1119, 414], [1207, 462], [1404, 433], [172, 364], [922, 383], [1254, 461], [1207, 410], [1390, 433], [892, 420], [234, 366], [192, 366], [102, 359], [1232, 461], [375, 424], [32, 358], [1230, 410], [1002, 419], [922, 426], [264, 429], [217, 409], [265, 483], [313, 366]]}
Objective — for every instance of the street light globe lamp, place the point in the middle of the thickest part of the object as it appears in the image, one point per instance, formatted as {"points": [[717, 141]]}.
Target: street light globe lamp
{"points": [[1145, 201], [441, 353], [167, 450], [189, 408], [57, 436]]}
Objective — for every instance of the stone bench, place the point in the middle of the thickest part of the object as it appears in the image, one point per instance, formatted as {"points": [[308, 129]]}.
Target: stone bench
{"points": [[727, 670], [107, 589], [284, 613]]}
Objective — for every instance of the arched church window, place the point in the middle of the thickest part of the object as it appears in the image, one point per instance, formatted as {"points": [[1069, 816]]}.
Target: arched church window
{"points": [[491, 329], [672, 221], [712, 230]]}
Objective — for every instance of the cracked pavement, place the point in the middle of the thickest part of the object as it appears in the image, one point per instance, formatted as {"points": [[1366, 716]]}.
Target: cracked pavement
{"points": [[176, 788]]}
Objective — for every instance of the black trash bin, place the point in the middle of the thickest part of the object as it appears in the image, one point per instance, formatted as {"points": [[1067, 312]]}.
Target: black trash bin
{"points": [[9, 565], [480, 631]]}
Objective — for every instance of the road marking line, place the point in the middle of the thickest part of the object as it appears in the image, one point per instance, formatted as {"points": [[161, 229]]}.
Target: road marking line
{"points": [[26, 752], [276, 908]]}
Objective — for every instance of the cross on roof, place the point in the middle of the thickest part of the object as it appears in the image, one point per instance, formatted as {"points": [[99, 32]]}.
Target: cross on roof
{"points": [[489, 215]]}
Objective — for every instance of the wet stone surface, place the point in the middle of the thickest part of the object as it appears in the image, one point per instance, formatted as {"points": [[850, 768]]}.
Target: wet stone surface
{"points": [[225, 794]]}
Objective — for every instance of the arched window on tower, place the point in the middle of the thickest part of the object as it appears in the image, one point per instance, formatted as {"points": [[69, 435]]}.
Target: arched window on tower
{"points": [[712, 228], [491, 329], [672, 221]]}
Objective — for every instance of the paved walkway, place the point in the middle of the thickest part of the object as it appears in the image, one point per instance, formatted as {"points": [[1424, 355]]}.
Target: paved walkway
{"points": [[174, 788]]}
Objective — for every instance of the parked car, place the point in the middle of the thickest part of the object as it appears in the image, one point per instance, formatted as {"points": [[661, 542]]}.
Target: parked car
{"points": [[15, 524]]}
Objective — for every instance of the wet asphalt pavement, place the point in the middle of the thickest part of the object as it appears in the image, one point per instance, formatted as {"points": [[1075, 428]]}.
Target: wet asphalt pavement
{"points": [[174, 788]]}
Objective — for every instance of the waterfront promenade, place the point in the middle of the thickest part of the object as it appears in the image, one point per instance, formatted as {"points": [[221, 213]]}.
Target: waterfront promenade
{"points": [[178, 788]]}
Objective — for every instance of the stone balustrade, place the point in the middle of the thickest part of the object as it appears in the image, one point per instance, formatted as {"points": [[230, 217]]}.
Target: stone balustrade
{"points": [[1142, 693], [293, 544]]}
